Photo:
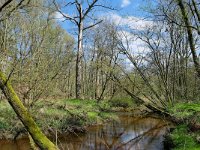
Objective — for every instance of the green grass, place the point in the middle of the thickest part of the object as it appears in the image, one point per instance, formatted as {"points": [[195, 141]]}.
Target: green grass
{"points": [[8, 117], [59, 114], [183, 140], [185, 110], [72, 112]]}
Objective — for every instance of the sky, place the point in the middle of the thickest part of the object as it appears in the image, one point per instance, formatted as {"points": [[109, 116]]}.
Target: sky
{"points": [[124, 9], [128, 13], [130, 7]]}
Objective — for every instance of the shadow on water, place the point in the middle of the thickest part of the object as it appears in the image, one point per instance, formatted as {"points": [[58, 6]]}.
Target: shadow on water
{"points": [[129, 133]]}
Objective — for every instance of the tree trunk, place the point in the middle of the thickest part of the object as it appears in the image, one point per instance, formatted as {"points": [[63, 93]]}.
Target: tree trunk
{"points": [[79, 60], [190, 37], [39, 138]]}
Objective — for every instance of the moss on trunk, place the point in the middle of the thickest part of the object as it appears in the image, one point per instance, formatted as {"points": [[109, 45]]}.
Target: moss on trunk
{"points": [[39, 138]]}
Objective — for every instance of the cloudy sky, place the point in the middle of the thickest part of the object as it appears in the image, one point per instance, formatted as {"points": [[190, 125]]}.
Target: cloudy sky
{"points": [[129, 13]]}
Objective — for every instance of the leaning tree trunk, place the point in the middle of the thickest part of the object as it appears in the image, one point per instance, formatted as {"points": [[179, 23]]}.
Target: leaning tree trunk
{"points": [[39, 138]]}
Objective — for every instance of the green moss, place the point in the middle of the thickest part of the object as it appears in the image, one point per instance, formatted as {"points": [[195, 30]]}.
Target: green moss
{"points": [[39, 138]]}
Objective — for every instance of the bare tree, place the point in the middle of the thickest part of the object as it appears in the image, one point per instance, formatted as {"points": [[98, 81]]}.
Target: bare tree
{"points": [[79, 20]]}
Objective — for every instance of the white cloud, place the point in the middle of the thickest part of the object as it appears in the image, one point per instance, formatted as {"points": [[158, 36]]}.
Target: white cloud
{"points": [[58, 16], [134, 45], [125, 3], [135, 23], [127, 25]]}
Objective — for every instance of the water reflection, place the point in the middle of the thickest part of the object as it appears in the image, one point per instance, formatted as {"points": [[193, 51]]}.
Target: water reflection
{"points": [[130, 133]]}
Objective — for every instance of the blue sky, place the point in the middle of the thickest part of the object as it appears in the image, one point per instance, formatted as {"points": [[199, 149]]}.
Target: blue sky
{"points": [[125, 8], [130, 7], [129, 13]]}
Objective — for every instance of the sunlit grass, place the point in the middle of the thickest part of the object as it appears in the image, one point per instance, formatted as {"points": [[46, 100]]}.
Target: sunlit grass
{"points": [[60, 114], [184, 110]]}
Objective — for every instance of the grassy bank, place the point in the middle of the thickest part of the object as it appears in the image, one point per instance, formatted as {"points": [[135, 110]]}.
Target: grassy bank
{"points": [[185, 135], [62, 115]]}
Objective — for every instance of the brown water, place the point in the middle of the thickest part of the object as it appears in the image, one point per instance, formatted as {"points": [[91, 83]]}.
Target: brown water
{"points": [[129, 133]]}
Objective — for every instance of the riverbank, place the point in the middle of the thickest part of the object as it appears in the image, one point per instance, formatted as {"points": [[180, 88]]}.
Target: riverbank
{"points": [[186, 132], [60, 116], [127, 132], [74, 115]]}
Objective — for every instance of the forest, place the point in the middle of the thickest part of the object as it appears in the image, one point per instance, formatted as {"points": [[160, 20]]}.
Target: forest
{"points": [[66, 66]]}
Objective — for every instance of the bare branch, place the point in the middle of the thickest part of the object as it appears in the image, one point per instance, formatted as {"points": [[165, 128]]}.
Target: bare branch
{"points": [[5, 4], [88, 27], [103, 6], [65, 15], [90, 6]]}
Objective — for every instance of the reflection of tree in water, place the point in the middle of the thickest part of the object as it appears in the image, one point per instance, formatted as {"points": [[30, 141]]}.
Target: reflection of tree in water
{"points": [[128, 134]]}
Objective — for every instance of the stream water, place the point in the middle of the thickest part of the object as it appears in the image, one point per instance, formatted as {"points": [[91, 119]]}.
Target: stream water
{"points": [[129, 133]]}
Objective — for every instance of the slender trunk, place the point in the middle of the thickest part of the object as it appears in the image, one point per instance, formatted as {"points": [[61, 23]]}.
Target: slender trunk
{"points": [[68, 84], [39, 138], [78, 61], [97, 82], [190, 37]]}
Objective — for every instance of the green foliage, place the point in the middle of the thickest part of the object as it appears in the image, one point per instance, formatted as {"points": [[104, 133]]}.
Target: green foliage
{"points": [[188, 106], [181, 138], [105, 105], [184, 140], [185, 110]]}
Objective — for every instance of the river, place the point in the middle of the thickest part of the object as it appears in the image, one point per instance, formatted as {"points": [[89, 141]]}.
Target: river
{"points": [[129, 133]]}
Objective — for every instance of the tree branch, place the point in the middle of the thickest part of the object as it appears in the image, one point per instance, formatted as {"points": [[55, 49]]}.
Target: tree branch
{"points": [[5, 4], [90, 6], [64, 15], [88, 27]]}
